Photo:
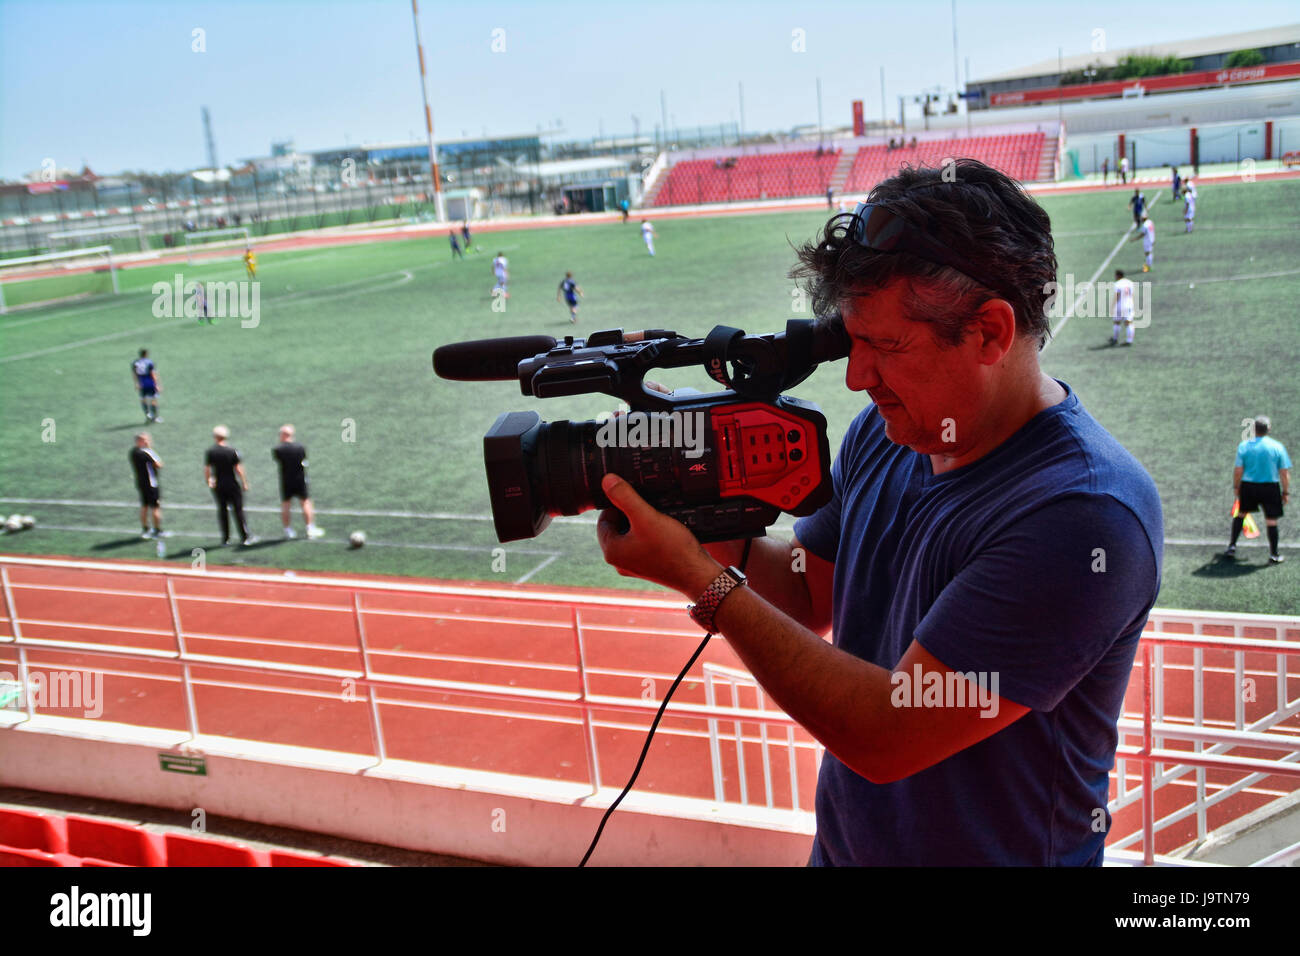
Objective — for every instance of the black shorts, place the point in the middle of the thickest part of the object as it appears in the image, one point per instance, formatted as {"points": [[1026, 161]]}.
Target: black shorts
{"points": [[148, 497], [1261, 494], [296, 488]]}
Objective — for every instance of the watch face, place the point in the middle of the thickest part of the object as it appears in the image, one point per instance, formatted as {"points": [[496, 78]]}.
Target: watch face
{"points": [[735, 575]]}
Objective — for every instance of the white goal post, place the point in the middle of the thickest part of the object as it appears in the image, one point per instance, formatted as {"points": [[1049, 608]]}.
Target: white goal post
{"points": [[75, 238], [228, 240], [62, 275]]}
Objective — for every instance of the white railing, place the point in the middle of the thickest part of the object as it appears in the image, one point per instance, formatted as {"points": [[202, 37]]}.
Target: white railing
{"points": [[735, 682], [1165, 746], [364, 678], [1145, 737], [653, 173]]}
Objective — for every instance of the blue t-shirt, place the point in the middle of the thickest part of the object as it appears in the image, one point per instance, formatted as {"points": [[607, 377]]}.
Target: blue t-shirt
{"points": [[143, 369], [1038, 563], [1261, 458], [570, 290]]}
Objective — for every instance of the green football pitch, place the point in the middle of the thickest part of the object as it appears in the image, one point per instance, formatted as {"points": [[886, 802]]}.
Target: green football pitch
{"points": [[342, 350]]}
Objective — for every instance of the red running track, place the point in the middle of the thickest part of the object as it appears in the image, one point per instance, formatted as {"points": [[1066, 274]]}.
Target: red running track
{"points": [[630, 652]]}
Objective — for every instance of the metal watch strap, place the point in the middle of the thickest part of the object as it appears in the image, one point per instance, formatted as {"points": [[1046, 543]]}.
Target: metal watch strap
{"points": [[703, 610]]}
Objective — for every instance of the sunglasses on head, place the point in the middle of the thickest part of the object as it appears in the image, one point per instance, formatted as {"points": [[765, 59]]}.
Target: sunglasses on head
{"points": [[875, 227]]}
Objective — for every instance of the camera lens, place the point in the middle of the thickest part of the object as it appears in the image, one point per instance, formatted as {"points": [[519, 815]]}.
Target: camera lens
{"points": [[569, 467]]}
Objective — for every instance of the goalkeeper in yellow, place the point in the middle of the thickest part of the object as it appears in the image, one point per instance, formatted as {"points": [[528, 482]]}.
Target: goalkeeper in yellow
{"points": [[250, 262]]}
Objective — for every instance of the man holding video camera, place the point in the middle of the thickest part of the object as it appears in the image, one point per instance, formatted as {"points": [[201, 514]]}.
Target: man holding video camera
{"points": [[986, 564]]}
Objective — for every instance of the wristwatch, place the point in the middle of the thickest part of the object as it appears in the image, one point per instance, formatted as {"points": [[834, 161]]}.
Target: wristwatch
{"points": [[703, 610]]}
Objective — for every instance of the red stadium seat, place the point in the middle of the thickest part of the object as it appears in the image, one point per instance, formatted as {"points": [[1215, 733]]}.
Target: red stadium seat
{"points": [[14, 856], [118, 843], [283, 858], [28, 830], [185, 850]]}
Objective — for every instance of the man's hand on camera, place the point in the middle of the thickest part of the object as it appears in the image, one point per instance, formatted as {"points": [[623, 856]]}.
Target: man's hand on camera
{"points": [[655, 547]]}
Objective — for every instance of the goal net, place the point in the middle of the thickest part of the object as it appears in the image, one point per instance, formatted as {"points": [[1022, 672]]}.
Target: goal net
{"points": [[57, 276], [215, 244], [128, 237]]}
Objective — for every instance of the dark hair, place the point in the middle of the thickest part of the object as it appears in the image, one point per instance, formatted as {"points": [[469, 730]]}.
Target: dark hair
{"points": [[143, 353], [974, 209], [1261, 426], [1119, 273]]}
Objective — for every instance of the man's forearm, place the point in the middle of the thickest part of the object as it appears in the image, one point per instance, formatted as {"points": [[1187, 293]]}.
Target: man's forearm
{"points": [[840, 699], [771, 573]]}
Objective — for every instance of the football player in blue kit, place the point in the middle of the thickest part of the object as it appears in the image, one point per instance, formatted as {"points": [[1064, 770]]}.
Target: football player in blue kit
{"points": [[571, 292], [147, 381]]}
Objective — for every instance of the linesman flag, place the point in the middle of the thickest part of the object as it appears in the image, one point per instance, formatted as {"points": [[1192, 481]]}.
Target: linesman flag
{"points": [[1248, 526]]}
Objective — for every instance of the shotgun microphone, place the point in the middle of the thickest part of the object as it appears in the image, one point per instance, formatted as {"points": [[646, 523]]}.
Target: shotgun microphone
{"points": [[488, 360]]}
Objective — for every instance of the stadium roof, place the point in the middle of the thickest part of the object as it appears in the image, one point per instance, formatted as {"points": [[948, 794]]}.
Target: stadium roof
{"points": [[570, 167], [1223, 43], [438, 141]]}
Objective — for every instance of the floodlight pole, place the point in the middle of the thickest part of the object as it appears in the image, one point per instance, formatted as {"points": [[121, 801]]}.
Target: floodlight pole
{"points": [[440, 211]]}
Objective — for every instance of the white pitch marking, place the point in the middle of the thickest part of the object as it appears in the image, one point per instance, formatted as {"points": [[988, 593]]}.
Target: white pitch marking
{"points": [[98, 338], [131, 532], [268, 509], [521, 580]]}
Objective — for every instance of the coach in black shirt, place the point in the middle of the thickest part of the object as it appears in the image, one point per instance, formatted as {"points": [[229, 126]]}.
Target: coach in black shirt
{"points": [[292, 459], [145, 463], [225, 476]]}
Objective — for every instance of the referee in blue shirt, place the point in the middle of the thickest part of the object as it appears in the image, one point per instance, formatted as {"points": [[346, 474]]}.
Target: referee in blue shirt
{"points": [[1261, 479]]}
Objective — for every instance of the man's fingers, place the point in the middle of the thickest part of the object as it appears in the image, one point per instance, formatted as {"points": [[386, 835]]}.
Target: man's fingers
{"points": [[612, 523], [625, 498]]}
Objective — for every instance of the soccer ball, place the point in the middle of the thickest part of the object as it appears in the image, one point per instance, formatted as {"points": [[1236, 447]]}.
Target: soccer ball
{"points": [[29, 521], [14, 523], [357, 539]]}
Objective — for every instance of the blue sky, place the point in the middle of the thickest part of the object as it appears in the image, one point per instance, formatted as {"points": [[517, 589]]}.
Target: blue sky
{"points": [[116, 84]]}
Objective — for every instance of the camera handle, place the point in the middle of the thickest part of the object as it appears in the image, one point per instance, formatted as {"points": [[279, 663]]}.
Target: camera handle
{"points": [[756, 367]]}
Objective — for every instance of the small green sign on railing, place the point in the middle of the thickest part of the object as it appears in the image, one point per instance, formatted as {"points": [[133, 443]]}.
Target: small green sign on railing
{"points": [[180, 763]]}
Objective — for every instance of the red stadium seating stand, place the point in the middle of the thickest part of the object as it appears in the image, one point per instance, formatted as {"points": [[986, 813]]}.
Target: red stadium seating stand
{"points": [[762, 176], [806, 173], [183, 850], [29, 830], [118, 844], [32, 838]]}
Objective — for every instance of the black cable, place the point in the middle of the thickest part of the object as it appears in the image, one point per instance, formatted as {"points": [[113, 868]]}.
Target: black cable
{"points": [[744, 559], [644, 750], [744, 555]]}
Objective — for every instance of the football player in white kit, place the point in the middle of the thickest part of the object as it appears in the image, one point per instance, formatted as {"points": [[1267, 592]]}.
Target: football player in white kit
{"points": [[648, 234], [1189, 204], [500, 270], [1123, 310], [1148, 242]]}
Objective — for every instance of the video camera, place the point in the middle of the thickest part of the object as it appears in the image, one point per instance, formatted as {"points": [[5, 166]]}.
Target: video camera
{"points": [[725, 464]]}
